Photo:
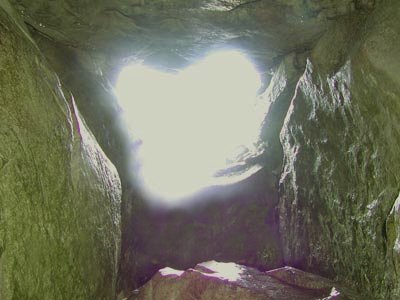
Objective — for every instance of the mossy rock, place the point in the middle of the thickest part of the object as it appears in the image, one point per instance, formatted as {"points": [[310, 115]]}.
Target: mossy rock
{"points": [[59, 194]]}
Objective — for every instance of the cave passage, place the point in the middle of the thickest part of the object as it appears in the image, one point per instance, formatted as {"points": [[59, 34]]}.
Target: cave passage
{"points": [[190, 124], [257, 159]]}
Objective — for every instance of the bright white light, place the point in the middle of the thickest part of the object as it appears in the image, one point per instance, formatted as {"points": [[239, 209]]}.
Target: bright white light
{"points": [[224, 271], [191, 122]]}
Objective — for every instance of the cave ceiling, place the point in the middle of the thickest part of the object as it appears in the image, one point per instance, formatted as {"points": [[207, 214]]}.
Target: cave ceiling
{"points": [[174, 32]]}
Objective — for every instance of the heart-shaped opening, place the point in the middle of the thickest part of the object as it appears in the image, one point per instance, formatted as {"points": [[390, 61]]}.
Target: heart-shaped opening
{"points": [[191, 124]]}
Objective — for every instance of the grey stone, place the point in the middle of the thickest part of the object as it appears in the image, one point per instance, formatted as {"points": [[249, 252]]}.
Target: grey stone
{"points": [[341, 142]]}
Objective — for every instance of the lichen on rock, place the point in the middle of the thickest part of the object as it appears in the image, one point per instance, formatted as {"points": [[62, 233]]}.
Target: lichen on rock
{"points": [[59, 194]]}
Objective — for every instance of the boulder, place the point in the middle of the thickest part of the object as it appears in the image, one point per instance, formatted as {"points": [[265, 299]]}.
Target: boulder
{"points": [[214, 280]]}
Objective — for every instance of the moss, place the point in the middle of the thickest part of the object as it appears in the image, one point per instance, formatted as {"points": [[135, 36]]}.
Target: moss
{"points": [[59, 194], [269, 256]]}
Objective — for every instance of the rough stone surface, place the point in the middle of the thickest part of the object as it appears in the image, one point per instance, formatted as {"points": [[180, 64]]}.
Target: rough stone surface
{"points": [[277, 98], [236, 223], [341, 140], [81, 74], [59, 194], [338, 208], [213, 281], [393, 235], [167, 32]]}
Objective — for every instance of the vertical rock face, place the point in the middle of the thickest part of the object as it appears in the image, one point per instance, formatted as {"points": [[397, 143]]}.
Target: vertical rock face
{"points": [[59, 194], [277, 97], [393, 235], [341, 141]]}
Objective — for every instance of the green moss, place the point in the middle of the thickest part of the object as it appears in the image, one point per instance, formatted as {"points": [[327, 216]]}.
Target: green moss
{"points": [[59, 194], [269, 256]]}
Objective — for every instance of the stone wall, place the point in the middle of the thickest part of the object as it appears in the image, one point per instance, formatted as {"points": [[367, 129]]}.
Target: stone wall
{"points": [[341, 141], [59, 194]]}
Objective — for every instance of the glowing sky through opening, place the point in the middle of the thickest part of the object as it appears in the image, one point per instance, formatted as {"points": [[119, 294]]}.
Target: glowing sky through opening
{"points": [[190, 123]]}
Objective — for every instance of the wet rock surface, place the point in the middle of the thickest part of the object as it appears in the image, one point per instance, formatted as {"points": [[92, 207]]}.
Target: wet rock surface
{"points": [[214, 280], [173, 33], [341, 143], [149, 27], [59, 194]]}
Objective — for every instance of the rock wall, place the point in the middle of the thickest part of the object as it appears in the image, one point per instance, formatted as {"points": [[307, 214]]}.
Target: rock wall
{"points": [[230, 223], [341, 141], [338, 210], [83, 73], [59, 194]]}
